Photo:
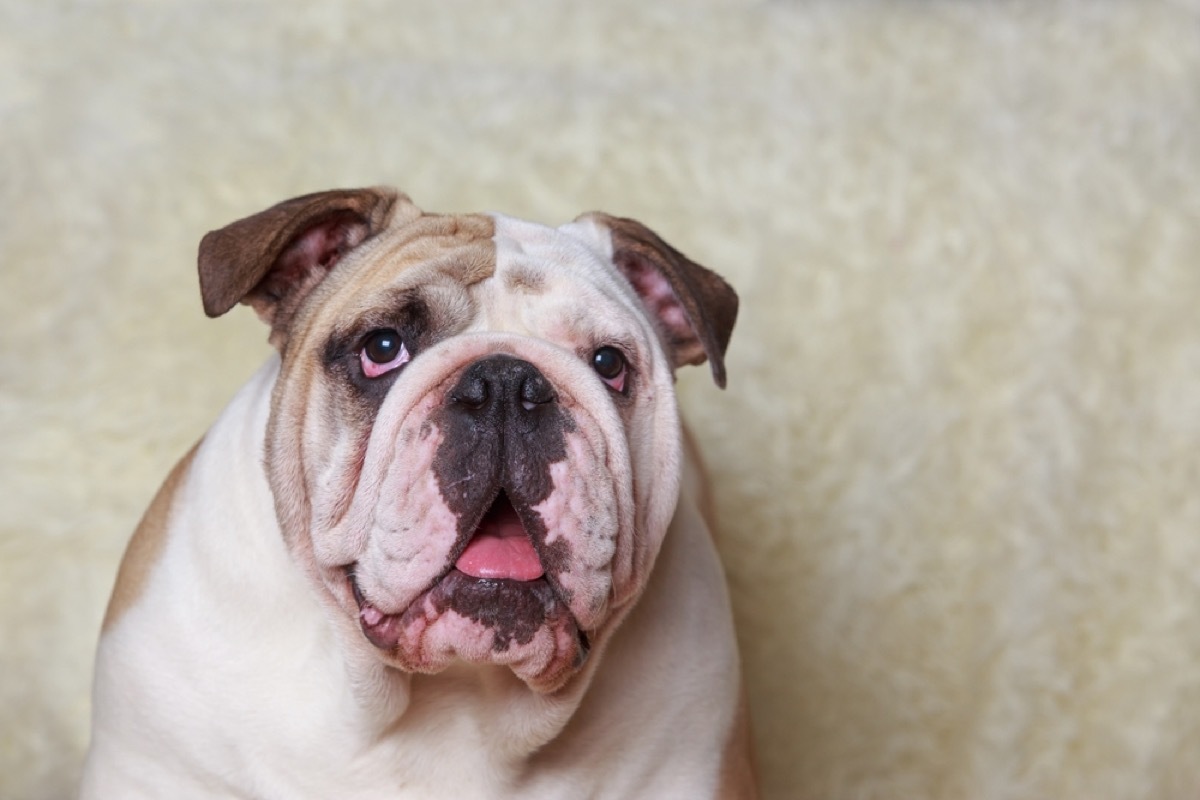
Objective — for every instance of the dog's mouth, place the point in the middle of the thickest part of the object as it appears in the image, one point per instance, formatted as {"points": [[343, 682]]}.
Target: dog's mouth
{"points": [[498, 581], [500, 548]]}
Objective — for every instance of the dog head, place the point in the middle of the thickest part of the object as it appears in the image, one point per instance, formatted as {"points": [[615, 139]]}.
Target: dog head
{"points": [[473, 445]]}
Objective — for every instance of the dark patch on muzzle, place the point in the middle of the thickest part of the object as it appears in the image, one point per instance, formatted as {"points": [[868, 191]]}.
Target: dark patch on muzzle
{"points": [[502, 429]]}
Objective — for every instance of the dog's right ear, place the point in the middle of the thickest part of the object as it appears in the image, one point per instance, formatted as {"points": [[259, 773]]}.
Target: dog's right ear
{"points": [[273, 259]]}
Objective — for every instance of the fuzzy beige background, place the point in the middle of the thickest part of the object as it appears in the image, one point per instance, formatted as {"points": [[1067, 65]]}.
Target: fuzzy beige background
{"points": [[958, 461]]}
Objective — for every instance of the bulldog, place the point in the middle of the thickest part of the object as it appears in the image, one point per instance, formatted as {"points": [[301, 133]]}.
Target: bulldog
{"points": [[450, 542]]}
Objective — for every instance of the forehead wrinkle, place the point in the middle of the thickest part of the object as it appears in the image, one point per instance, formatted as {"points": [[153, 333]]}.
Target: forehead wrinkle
{"points": [[461, 245], [429, 249]]}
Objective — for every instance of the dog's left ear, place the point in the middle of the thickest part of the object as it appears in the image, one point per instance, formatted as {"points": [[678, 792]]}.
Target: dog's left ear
{"points": [[694, 306]]}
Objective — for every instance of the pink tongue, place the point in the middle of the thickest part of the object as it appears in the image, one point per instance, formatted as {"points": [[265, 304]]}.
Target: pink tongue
{"points": [[500, 548]]}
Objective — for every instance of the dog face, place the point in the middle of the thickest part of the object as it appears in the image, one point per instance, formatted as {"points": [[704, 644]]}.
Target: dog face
{"points": [[473, 446]]}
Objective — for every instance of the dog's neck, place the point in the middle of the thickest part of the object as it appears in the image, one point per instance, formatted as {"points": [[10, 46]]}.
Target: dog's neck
{"points": [[490, 704]]}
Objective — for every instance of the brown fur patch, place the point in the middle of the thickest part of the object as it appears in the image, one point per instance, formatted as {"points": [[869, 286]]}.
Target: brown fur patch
{"points": [[146, 545], [417, 256], [523, 279], [738, 781]]}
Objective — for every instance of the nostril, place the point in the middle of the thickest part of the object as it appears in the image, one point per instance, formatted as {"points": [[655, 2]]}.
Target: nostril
{"points": [[536, 391], [471, 392]]}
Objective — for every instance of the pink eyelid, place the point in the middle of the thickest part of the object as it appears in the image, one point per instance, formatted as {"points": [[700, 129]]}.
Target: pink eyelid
{"points": [[373, 370], [617, 384]]}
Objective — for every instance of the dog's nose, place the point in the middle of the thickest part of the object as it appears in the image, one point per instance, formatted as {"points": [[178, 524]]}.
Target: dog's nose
{"points": [[501, 382]]}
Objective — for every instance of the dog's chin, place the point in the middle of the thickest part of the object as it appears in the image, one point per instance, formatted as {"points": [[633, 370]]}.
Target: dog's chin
{"points": [[523, 625]]}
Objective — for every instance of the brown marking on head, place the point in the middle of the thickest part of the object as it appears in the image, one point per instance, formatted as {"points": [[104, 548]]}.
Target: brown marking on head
{"points": [[146, 545], [456, 245], [695, 307], [738, 772]]}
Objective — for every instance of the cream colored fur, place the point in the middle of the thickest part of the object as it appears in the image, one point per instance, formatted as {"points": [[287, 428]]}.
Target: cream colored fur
{"points": [[956, 465]]}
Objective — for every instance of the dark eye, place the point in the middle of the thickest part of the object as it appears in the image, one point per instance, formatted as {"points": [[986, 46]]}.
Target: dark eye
{"points": [[609, 363], [382, 351], [382, 346]]}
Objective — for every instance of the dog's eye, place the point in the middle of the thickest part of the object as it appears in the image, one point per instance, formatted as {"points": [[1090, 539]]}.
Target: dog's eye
{"points": [[382, 352], [609, 363]]}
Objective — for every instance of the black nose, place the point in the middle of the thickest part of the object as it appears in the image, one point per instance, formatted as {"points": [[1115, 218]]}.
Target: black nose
{"points": [[497, 384]]}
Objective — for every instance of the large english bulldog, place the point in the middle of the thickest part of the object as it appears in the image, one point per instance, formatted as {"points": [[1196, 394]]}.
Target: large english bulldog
{"points": [[450, 542]]}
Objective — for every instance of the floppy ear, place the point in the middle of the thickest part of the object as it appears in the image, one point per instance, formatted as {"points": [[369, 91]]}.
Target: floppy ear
{"points": [[694, 306], [273, 259]]}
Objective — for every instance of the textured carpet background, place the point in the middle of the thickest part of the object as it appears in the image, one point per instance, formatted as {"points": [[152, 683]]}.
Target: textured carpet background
{"points": [[958, 462]]}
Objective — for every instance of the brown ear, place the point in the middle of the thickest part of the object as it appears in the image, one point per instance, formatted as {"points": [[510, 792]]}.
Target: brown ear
{"points": [[694, 306], [273, 259]]}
